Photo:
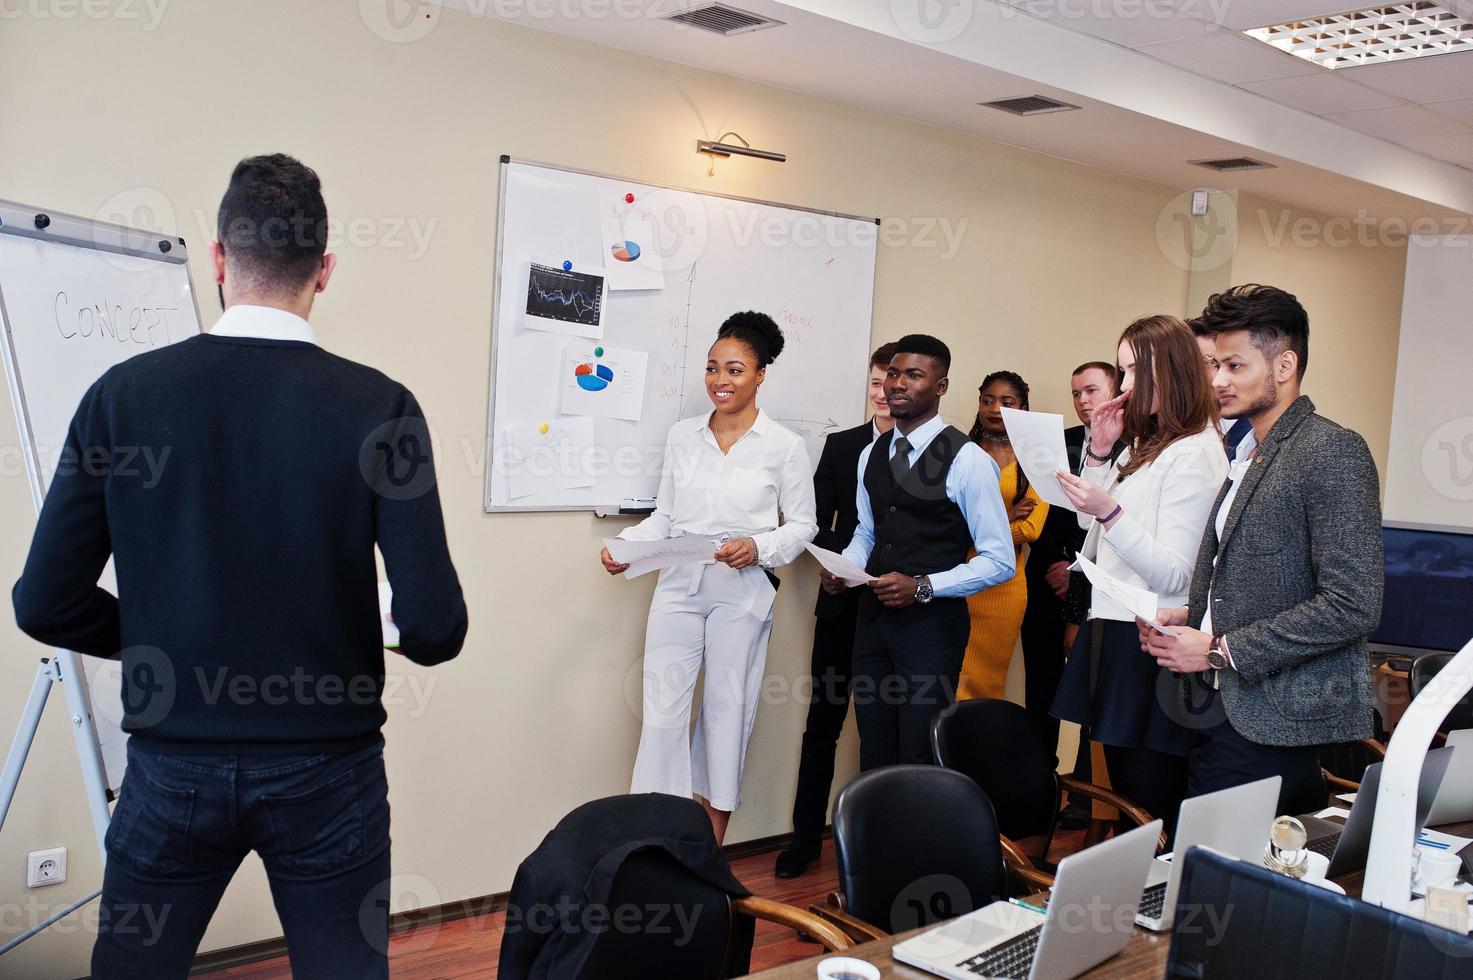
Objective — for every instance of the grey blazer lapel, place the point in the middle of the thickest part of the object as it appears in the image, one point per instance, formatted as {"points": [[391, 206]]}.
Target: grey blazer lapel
{"points": [[1262, 460]]}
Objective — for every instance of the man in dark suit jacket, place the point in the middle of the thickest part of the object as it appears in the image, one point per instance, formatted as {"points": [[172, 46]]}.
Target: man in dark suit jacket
{"points": [[835, 485], [1289, 578], [1050, 583], [247, 615]]}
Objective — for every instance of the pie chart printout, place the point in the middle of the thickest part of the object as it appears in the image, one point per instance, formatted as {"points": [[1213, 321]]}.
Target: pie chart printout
{"points": [[625, 251], [593, 377]]}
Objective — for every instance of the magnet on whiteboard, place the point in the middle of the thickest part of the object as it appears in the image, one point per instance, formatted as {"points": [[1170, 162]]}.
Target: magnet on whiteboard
{"points": [[628, 198], [543, 428], [567, 266]]}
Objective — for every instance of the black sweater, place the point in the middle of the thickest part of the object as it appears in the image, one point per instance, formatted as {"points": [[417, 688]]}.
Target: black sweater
{"points": [[241, 485]]}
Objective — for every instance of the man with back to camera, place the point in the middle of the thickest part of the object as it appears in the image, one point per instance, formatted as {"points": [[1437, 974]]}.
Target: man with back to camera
{"points": [[834, 490], [1289, 579], [247, 616], [927, 495]]}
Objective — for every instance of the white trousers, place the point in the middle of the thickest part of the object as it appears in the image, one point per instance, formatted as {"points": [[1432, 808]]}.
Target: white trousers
{"points": [[701, 614]]}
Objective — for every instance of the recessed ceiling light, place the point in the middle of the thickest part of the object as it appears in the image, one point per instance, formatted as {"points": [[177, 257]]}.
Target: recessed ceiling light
{"points": [[1390, 32]]}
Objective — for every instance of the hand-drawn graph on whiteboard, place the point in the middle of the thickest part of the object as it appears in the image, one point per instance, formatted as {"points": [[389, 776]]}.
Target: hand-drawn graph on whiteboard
{"points": [[811, 271]]}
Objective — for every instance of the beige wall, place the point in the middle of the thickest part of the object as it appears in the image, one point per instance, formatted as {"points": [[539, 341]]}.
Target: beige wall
{"points": [[535, 716]]}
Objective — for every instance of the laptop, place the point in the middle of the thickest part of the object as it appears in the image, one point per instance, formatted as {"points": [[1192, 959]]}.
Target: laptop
{"points": [[1454, 802], [1235, 822], [1347, 846], [1093, 901]]}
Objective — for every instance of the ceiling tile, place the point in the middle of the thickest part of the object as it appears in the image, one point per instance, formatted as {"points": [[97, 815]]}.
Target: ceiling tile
{"points": [[1398, 123], [1435, 79], [1230, 58], [1461, 109], [1131, 23], [1322, 93], [1239, 15]]}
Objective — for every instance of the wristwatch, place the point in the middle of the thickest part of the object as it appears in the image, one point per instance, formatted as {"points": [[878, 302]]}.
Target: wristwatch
{"points": [[1216, 659], [923, 589]]}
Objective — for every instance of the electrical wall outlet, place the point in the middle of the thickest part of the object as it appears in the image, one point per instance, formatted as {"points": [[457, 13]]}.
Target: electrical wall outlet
{"points": [[46, 867]]}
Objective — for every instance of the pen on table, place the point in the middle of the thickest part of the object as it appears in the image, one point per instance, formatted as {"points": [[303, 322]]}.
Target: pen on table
{"points": [[1025, 905]]}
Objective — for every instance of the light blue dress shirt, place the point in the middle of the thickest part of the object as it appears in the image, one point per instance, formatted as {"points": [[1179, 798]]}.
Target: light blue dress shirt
{"points": [[971, 484]]}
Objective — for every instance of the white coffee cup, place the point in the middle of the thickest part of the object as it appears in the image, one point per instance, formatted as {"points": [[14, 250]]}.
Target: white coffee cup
{"points": [[1316, 866], [1437, 869], [847, 968]]}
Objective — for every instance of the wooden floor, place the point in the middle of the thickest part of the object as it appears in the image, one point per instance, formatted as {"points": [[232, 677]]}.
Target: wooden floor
{"points": [[468, 948]]}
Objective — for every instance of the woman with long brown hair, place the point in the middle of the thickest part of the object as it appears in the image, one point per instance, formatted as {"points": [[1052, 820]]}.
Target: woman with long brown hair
{"points": [[1145, 513], [997, 613]]}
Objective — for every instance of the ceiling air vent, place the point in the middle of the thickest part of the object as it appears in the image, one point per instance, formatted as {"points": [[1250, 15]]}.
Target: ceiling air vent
{"points": [[1029, 105], [718, 18], [1233, 163]]}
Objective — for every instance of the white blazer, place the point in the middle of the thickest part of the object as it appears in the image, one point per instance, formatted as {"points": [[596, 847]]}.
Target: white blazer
{"points": [[1165, 507]]}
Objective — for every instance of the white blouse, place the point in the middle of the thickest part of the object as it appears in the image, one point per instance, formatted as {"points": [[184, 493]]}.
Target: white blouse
{"points": [[761, 488], [1165, 505]]}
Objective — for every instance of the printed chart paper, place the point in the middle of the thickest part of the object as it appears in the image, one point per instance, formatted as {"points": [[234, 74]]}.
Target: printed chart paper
{"points": [[631, 245], [1038, 442], [535, 461], [604, 382], [567, 301]]}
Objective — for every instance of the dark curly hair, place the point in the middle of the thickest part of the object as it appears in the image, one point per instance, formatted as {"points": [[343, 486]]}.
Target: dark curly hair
{"points": [[758, 331], [1014, 381], [1274, 319], [273, 223]]}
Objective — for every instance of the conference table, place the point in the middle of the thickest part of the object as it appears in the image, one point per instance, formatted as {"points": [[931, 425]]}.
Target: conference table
{"points": [[1144, 956]]}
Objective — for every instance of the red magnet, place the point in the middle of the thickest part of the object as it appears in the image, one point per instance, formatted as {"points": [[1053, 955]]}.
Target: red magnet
{"points": [[628, 198]]}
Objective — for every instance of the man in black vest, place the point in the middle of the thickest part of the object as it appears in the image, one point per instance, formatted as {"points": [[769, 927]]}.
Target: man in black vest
{"points": [[835, 483], [927, 497]]}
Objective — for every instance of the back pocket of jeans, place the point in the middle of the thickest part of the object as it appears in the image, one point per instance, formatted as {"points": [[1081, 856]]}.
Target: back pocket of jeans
{"points": [[151, 825], [319, 830]]}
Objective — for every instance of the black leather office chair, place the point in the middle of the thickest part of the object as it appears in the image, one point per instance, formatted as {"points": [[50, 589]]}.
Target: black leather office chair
{"points": [[998, 744], [1424, 668], [915, 845], [692, 935], [1235, 919]]}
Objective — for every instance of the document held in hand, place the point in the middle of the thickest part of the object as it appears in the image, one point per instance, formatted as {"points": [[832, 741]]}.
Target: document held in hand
{"points": [[1142, 602], [839, 566], [647, 556], [1038, 442]]}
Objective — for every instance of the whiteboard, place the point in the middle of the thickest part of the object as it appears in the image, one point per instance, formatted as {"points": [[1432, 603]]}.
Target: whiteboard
{"points": [[813, 272], [77, 297]]}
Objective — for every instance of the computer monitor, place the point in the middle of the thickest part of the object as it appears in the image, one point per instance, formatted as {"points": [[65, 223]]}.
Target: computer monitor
{"points": [[1429, 589]]}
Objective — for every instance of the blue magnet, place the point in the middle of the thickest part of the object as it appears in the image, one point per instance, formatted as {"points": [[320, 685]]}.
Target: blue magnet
{"points": [[567, 266]]}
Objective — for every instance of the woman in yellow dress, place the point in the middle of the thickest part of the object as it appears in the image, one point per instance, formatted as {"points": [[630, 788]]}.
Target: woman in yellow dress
{"points": [[997, 613]]}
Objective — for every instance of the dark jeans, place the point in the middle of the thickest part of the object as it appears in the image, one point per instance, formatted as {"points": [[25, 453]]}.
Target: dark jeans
{"points": [[833, 655], [184, 823], [1221, 758], [1154, 780], [904, 673]]}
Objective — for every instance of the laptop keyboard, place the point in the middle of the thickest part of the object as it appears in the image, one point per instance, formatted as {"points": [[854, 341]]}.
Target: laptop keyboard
{"points": [[1325, 845], [1013, 958], [1153, 901]]}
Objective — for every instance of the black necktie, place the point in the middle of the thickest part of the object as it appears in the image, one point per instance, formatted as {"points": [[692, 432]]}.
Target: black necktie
{"points": [[900, 462]]}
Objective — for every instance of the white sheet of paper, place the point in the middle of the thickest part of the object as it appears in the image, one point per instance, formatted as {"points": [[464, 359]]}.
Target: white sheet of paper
{"points": [[1038, 442], [631, 244], [647, 556], [1437, 840], [1142, 602], [606, 382], [546, 462], [1345, 797], [1338, 812], [385, 604], [839, 566], [567, 301]]}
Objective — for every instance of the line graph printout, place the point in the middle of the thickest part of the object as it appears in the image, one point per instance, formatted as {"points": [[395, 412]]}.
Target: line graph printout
{"points": [[568, 301]]}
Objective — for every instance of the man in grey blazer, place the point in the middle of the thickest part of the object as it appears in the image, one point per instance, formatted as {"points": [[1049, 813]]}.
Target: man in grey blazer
{"points": [[1288, 581]]}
